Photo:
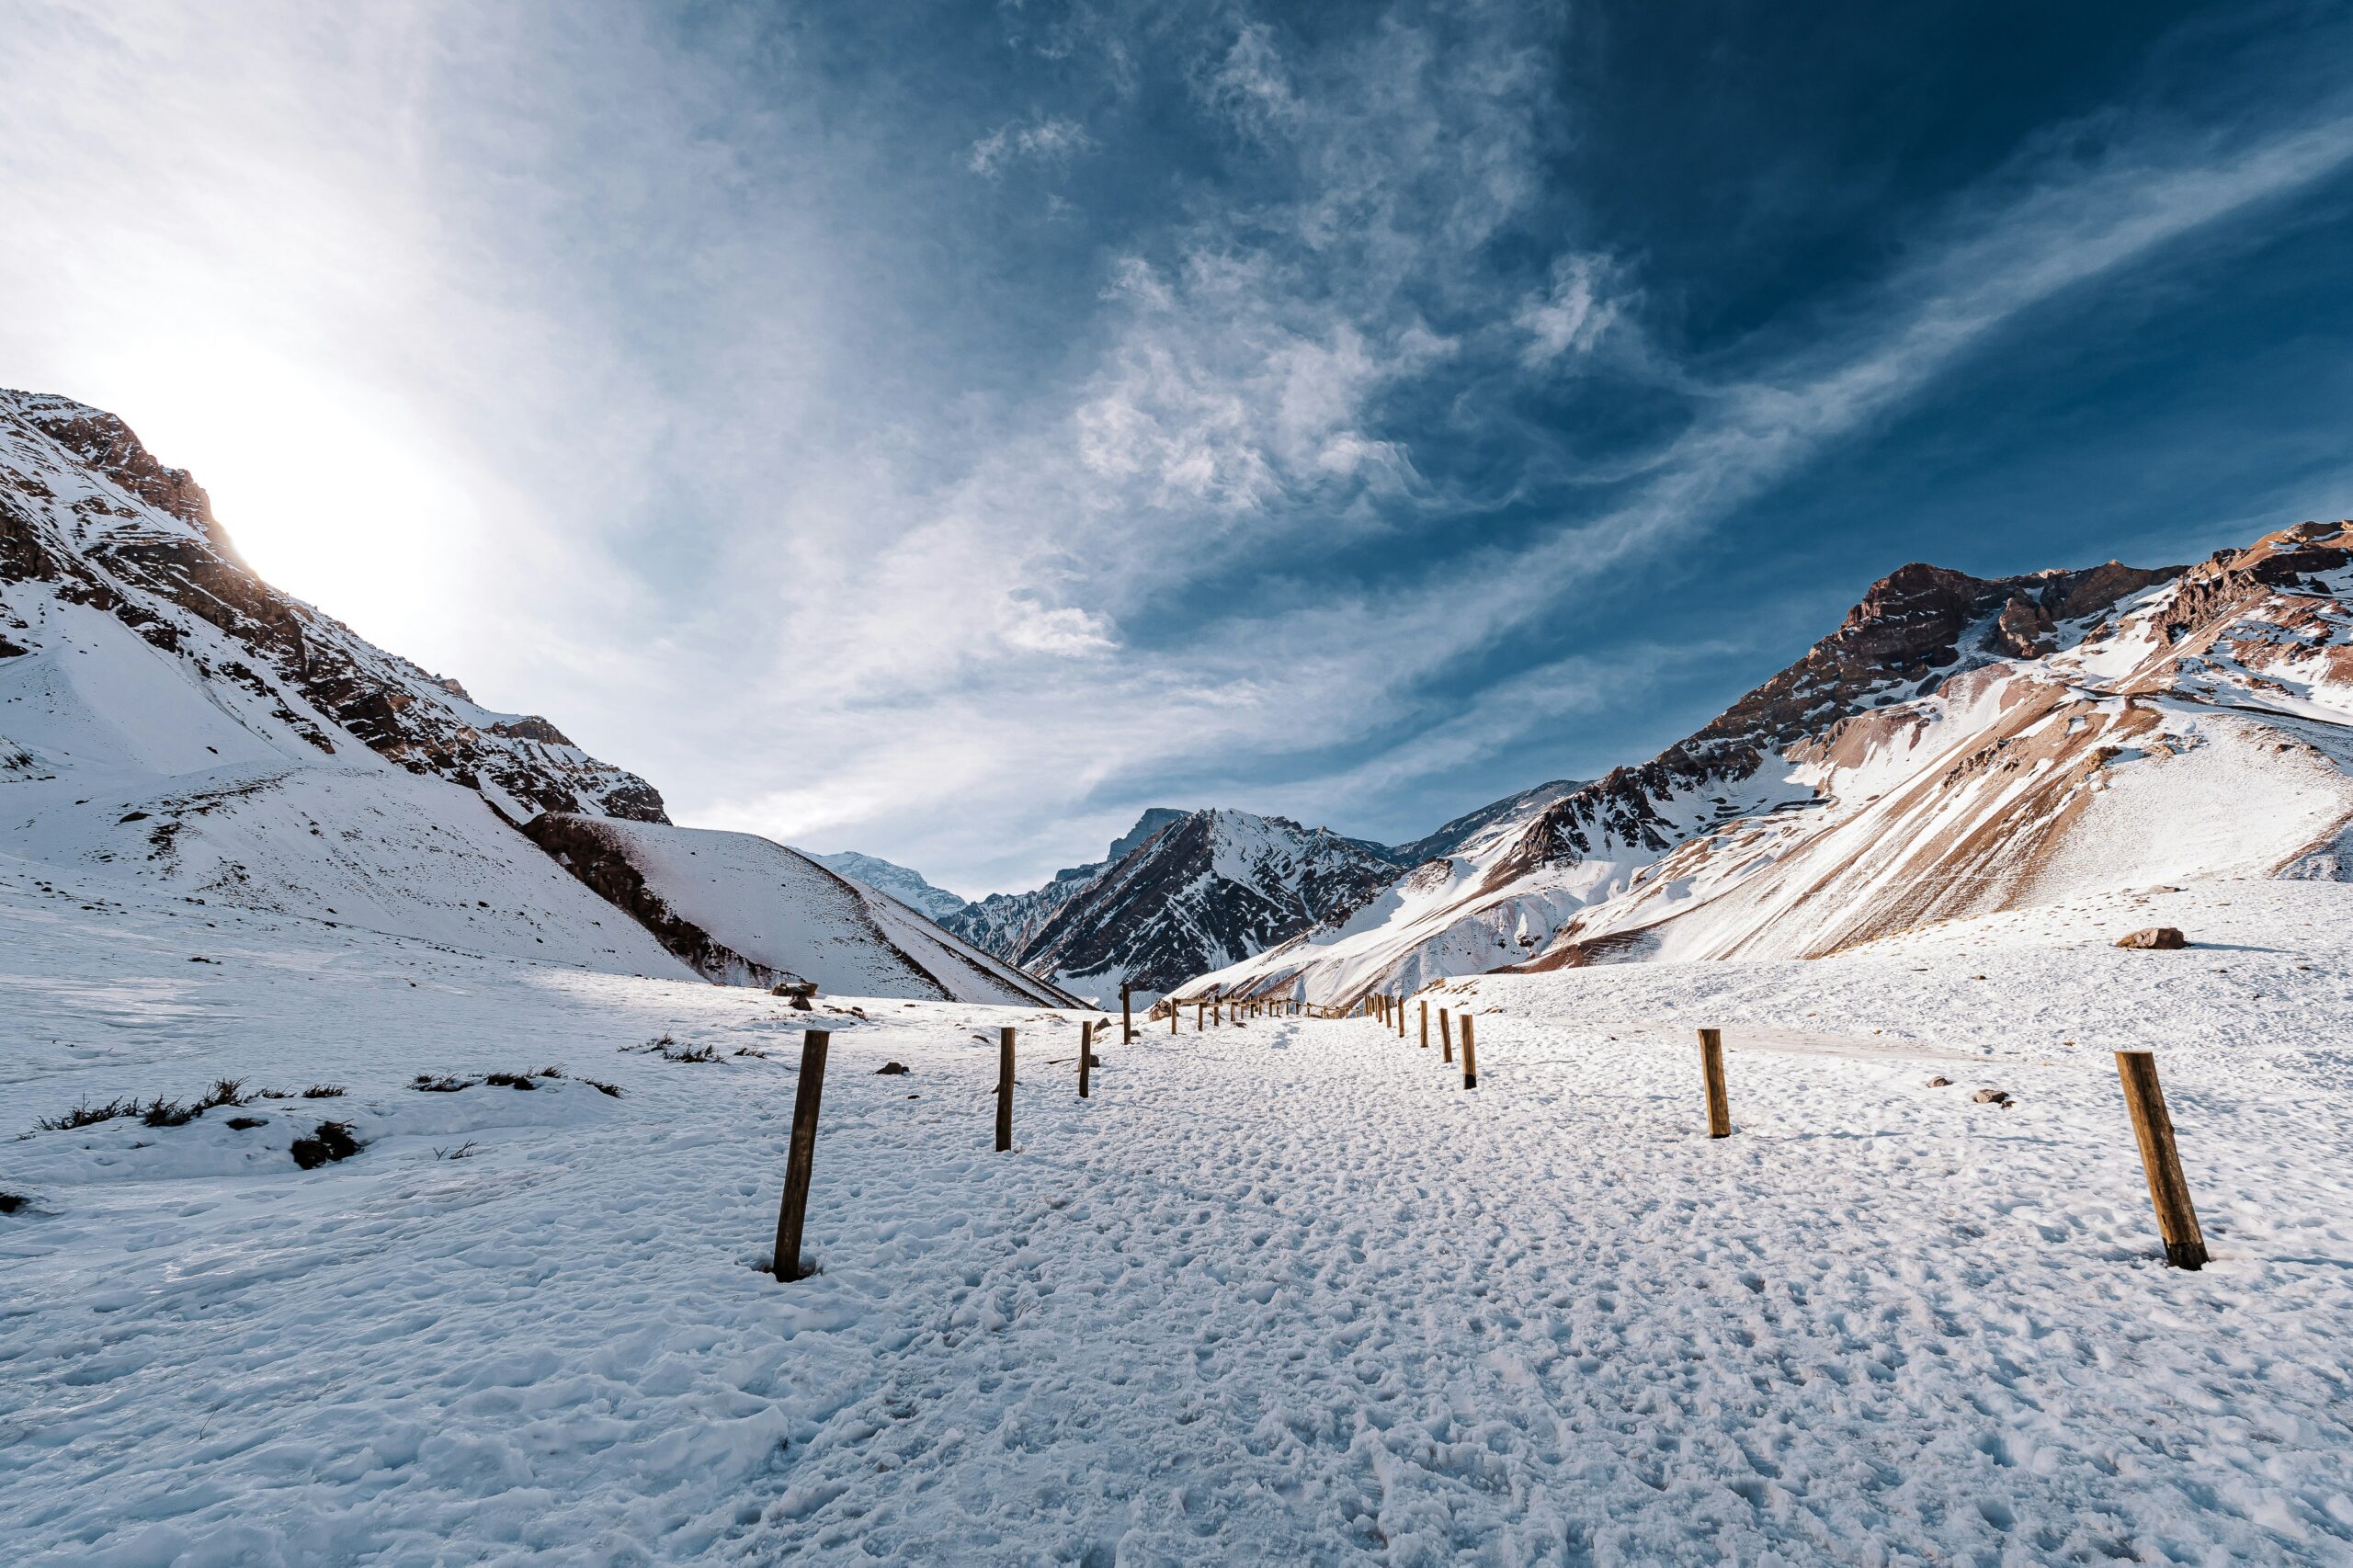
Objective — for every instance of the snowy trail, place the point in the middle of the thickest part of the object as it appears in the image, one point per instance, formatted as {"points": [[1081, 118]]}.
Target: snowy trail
{"points": [[1281, 1292]]}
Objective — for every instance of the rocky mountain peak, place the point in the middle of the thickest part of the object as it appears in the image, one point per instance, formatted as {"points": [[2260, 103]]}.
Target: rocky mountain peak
{"points": [[109, 446]]}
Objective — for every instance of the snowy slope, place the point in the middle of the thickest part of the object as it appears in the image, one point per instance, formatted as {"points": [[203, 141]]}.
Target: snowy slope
{"points": [[125, 769], [1511, 814], [1958, 747], [907, 886], [1275, 1294], [89, 520], [743, 910]]}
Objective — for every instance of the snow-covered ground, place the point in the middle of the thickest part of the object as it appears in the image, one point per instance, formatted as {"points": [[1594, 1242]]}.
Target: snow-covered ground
{"points": [[1283, 1292]]}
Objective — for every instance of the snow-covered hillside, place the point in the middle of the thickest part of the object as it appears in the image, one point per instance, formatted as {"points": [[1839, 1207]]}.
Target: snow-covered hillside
{"points": [[1280, 1293], [169, 722], [743, 910], [1958, 747], [1509, 815], [907, 886], [170, 725], [1189, 894], [90, 521]]}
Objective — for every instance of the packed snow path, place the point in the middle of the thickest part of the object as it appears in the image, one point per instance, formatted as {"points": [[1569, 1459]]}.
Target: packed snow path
{"points": [[1282, 1292]]}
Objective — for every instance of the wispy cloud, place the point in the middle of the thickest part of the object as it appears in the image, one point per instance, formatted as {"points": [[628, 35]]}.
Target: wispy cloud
{"points": [[1047, 138], [855, 514], [1569, 315]]}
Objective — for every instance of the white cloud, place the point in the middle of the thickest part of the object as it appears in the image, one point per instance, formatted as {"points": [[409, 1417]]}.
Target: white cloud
{"points": [[1050, 139], [1569, 316]]}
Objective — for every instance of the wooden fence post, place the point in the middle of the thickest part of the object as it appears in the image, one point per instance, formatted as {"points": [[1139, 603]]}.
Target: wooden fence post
{"points": [[1400, 1011], [1425, 1025], [1200, 1015], [1711, 1068], [1085, 1055], [1445, 1036], [2168, 1189], [1004, 1090], [1127, 1013], [1172, 1015], [800, 1153], [1470, 1056]]}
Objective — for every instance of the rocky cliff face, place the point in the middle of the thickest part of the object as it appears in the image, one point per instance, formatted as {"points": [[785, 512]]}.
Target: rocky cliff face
{"points": [[89, 517], [1959, 744]]}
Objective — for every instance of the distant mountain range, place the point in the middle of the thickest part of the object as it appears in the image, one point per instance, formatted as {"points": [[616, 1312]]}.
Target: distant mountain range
{"points": [[171, 726], [908, 887], [1180, 893]]}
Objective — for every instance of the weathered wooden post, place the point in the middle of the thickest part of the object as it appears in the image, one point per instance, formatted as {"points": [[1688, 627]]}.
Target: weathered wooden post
{"points": [[1127, 1013], [1470, 1056], [1425, 1025], [1085, 1055], [1445, 1038], [1711, 1068], [1400, 1010], [1004, 1090], [799, 1155], [2160, 1161], [1172, 1015]]}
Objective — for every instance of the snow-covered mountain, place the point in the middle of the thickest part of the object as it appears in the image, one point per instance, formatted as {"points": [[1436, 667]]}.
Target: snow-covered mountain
{"points": [[1007, 923], [91, 522], [1507, 815], [1183, 895], [907, 886], [1957, 746], [743, 910], [170, 725]]}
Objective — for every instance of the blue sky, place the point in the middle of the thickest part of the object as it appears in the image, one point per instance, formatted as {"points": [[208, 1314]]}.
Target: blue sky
{"points": [[942, 432]]}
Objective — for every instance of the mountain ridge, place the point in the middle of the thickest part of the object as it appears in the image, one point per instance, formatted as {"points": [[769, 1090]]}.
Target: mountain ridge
{"points": [[1956, 746]]}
